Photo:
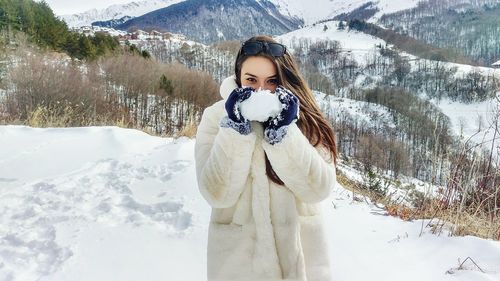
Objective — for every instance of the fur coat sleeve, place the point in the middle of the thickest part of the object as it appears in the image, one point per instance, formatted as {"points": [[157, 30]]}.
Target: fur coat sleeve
{"points": [[223, 158], [307, 171]]}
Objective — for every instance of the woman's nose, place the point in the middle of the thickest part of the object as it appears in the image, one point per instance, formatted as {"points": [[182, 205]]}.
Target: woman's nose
{"points": [[261, 85], [264, 86]]}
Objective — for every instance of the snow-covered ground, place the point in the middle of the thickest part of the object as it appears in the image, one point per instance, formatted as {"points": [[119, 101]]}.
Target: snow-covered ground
{"points": [[104, 203], [98, 204]]}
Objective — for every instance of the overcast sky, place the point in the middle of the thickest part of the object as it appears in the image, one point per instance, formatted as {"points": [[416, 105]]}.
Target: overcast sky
{"points": [[63, 7]]}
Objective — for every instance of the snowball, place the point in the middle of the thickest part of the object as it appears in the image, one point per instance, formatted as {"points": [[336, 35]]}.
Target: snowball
{"points": [[260, 106]]}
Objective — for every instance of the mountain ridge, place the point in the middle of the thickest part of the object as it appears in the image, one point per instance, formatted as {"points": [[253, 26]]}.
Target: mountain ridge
{"points": [[216, 20]]}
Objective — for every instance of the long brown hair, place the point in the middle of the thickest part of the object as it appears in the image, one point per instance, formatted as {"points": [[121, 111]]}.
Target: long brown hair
{"points": [[312, 122]]}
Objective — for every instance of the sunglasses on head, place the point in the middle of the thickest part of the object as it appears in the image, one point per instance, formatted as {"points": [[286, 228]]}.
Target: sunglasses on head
{"points": [[255, 47]]}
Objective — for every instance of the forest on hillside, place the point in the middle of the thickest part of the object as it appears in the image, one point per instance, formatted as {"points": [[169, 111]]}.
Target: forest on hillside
{"points": [[472, 27]]}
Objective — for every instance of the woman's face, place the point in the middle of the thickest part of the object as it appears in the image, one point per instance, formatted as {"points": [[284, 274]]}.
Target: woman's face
{"points": [[259, 72]]}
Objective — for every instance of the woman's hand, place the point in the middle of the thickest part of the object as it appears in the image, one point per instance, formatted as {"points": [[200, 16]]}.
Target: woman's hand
{"points": [[289, 112], [234, 119], [233, 103], [276, 128]]}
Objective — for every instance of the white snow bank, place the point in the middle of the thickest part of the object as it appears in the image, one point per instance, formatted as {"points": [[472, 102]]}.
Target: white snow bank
{"points": [[105, 203]]}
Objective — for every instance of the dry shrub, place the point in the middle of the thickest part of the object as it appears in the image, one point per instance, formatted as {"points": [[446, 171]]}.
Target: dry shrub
{"points": [[43, 116], [189, 130], [401, 211], [42, 89], [166, 110], [440, 213], [45, 91]]}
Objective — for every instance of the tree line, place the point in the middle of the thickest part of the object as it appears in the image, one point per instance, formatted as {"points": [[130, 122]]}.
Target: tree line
{"points": [[43, 28]]}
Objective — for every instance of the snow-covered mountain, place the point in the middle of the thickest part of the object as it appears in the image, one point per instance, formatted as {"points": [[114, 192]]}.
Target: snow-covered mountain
{"points": [[283, 13], [216, 20], [315, 10], [116, 12]]}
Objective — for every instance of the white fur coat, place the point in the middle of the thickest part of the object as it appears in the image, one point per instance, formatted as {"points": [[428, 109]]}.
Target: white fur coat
{"points": [[260, 230]]}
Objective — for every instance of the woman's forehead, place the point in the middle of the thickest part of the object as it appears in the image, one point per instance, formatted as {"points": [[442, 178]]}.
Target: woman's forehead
{"points": [[258, 66]]}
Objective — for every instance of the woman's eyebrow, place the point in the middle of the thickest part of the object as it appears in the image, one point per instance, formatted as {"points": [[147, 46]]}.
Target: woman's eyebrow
{"points": [[274, 76]]}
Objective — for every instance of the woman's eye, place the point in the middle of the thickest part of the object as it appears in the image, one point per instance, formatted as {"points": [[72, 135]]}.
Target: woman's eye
{"points": [[251, 80], [273, 81]]}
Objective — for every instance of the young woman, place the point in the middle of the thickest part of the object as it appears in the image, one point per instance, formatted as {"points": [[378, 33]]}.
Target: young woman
{"points": [[264, 180]]}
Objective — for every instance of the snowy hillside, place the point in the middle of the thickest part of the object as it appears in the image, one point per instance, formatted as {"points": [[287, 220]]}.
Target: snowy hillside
{"points": [[391, 6], [132, 9], [358, 44], [104, 203], [360, 47], [475, 120], [316, 10], [367, 115]]}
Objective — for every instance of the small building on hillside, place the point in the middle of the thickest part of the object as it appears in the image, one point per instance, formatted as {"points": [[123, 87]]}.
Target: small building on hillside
{"points": [[87, 30], [496, 64], [125, 37]]}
